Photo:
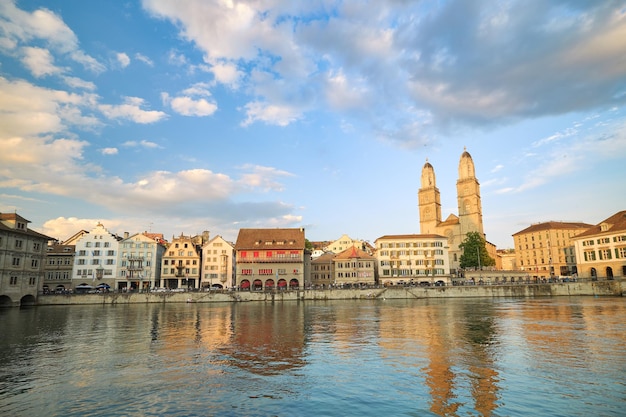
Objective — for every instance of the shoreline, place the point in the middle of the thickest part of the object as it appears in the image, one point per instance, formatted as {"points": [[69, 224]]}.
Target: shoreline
{"points": [[615, 288]]}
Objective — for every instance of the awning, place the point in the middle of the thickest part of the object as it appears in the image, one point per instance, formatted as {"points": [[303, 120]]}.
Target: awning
{"points": [[282, 283], [269, 283], [245, 284]]}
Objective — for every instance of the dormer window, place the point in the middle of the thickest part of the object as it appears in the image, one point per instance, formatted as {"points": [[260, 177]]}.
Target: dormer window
{"points": [[21, 226], [604, 227]]}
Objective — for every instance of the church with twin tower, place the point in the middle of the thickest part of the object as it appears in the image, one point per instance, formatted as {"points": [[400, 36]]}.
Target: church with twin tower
{"points": [[455, 227]]}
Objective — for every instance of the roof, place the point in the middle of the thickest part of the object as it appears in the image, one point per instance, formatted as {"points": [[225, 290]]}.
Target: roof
{"points": [[324, 258], [420, 236], [270, 239], [27, 232], [352, 253], [614, 224], [551, 225], [13, 216]]}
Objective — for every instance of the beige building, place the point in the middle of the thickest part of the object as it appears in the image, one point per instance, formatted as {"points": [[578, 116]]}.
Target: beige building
{"points": [[218, 263], [58, 268], [413, 259], [322, 270], [354, 266], [272, 258], [455, 227], [546, 250], [343, 243], [22, 253], [180, 266], [601, 249]]}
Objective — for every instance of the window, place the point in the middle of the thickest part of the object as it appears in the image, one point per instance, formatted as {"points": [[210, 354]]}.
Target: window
{"points": [[18, 243], [13, 281], [16, 262], [32, 281], [34, 263]]}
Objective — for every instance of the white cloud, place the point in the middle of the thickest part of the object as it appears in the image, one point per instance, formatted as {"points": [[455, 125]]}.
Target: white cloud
{"points": [[270, 114], [143, 143], [39, 62], [190, 107], [19, 26], [144, 59], [122, 59], [26, 109], [187, 105], [132, 110], [109, 151], [76, 82]]}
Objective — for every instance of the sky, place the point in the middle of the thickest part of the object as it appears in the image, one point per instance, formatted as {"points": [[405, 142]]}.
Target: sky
{"points": [[178, 117]]}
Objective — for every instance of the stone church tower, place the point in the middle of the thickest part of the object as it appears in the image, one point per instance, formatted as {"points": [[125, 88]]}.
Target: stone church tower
{"points": [[455, 227]]}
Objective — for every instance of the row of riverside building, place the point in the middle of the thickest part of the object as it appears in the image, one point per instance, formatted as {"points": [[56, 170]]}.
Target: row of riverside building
{"points": [[282, 258]]}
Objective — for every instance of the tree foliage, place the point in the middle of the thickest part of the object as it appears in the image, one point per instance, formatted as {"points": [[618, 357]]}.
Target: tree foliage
{"points": [[475, 252]]}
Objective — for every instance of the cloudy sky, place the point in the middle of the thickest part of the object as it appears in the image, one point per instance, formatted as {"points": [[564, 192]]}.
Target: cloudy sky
{"points": [[191, 115]]}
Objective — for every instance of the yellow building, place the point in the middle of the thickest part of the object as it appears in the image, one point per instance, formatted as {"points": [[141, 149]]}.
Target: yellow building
{"points": [[601, 250], [546, 250], [181, 264]]}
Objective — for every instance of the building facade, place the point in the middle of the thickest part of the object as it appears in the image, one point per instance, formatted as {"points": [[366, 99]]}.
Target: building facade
{"points": [[406, 259], [139, 261], [58, 268], [218, 263], [354, 267], [22, 253], [95, 259], [181, 264], [272, 258], [322, 270], [455, 227], [601, 249], [546, 250]]}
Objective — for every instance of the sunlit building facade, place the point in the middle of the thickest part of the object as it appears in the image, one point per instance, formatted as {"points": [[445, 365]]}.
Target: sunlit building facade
{"points": [[218, 263], [546, 249], [405, 259], [180, 266], [601, 249]]}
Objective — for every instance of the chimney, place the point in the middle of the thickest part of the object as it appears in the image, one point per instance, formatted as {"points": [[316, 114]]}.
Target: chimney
{"points": [[126, 235]]}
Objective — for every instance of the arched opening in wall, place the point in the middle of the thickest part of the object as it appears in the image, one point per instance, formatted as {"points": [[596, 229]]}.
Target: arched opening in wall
{"points": [[294, 283], [594, 274], [609, 272], [5, 301], [28, 301], [257, 284], [269, 284], [245, 284]]}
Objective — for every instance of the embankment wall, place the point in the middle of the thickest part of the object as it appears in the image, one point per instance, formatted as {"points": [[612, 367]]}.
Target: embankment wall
{"points": [[584, 288]]}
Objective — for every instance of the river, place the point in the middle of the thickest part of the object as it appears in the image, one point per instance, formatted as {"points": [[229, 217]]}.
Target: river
{"points": [[560, 356]]}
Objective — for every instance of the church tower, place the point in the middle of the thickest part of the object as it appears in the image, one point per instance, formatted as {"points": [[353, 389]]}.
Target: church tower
{"points": [[429, 201], [468, 196]]}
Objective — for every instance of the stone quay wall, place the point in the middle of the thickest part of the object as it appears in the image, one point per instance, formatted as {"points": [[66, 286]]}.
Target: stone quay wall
{"points": [[582, 288]]}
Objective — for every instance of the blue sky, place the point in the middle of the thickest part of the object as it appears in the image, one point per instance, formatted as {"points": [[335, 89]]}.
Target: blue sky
{"points": [[184, 116]]}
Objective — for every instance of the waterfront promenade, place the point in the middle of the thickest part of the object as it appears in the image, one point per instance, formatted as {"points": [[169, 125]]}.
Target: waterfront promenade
{"points": [[614, 287]]}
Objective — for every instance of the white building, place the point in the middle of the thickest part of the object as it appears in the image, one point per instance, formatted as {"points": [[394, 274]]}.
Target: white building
{"points": [[406, 259], [95, 259], [139, 262], [218, 263]]}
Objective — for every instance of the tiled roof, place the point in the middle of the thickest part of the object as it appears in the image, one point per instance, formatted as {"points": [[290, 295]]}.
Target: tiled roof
{"points": [[353, 252], [539, 227], [616, 223], [325, 258], [270, 239], [425, 236]]}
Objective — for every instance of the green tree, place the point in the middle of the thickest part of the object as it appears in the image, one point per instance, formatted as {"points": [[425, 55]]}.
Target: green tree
{"points": [[475, 252], [307, 244]]}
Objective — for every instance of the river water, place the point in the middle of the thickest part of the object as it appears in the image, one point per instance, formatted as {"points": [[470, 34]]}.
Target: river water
{"points": [[557, 356]]}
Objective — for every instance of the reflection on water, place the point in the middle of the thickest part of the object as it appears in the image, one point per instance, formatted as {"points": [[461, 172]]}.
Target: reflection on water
{"points": [[555, 356]]}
